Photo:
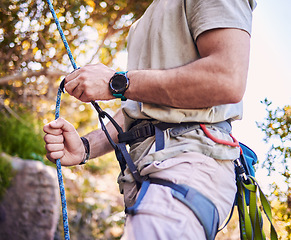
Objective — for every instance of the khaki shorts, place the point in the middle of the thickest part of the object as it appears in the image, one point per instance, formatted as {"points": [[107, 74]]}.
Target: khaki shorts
{"points": [[160, 216]]}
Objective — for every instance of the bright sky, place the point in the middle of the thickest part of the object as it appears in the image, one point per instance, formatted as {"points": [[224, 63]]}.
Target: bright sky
{"points": [[269, 73]]}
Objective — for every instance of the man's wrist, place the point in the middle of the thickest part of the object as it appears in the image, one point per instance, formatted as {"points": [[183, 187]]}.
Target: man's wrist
{"points": [[87, 150]]}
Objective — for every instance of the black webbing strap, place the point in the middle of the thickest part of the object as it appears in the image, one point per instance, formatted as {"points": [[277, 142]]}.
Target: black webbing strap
{"points": [[121, 152], [140, 132], [147, 128]]}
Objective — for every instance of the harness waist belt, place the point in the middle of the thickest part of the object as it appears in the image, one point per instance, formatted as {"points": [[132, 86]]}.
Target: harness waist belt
{"points": [[144, 129]]}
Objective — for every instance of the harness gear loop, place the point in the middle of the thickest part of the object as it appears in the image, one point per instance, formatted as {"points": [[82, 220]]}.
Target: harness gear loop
{"points": [[251, 221], [240, 170], [235, 143]]}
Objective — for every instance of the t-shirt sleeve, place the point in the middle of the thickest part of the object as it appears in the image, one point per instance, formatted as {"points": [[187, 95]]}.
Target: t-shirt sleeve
{"points": [[205, 15]]}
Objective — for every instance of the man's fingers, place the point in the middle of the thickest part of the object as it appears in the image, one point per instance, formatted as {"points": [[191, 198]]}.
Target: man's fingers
{"points": [[62, 142], [50, 130], [72, 87], [72, 82], [54, 147], [49, 138], [73, 75], [58, 126], [53, 156]]}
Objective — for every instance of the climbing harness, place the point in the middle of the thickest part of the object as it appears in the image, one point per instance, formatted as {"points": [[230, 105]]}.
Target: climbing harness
{"points": [[250, 215], [205, 211]]}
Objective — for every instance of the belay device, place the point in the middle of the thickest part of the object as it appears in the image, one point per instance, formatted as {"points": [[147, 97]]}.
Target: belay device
{"points": [[251, 224]]}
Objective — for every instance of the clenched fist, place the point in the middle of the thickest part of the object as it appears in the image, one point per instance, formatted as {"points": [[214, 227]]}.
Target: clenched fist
{"points": [[63, 141]]}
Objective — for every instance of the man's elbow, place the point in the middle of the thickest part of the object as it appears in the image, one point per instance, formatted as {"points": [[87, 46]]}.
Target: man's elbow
{"points": [[236, 98], [235, 89]]}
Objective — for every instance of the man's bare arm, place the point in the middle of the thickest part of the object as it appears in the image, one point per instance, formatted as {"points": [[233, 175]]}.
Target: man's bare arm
{"points": [[219, 77]]}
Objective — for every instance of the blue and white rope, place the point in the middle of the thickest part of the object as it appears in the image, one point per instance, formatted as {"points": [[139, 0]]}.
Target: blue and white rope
{"points": [[62, 34], [60, 176], [57, 114]]}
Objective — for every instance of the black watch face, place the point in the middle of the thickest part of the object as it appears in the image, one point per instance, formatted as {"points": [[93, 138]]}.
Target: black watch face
{"points": [[118, 83]]}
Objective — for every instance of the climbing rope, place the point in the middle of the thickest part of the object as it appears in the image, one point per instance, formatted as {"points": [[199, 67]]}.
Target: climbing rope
{"points": [[102, 114], [62, 34], [57, 114], [60, 176]]}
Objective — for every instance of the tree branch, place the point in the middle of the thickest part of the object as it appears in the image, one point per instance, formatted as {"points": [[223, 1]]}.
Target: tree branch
{"points": [[14, 114], [23, 75]]}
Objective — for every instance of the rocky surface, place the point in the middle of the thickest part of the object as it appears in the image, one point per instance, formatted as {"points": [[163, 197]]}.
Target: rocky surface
{"points": [[31, 207]]}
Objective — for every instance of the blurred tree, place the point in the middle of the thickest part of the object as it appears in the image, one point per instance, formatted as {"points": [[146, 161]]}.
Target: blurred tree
{"points": [[276, 127], [32, 55], [32, 62]]}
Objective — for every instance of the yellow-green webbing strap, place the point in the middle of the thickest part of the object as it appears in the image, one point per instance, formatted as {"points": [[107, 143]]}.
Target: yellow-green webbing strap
{"points": [[244, 218], [251, 221]]}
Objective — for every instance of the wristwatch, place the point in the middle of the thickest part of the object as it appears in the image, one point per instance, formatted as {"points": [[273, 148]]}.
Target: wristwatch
{"points": [[118, 84]]}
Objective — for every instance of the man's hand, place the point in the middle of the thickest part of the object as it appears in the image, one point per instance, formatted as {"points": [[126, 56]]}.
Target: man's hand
{"points": [[63, 141], [90, 83]]}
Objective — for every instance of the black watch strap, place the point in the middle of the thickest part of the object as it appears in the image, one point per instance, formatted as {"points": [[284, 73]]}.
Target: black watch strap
{"points": [[87, 150]]}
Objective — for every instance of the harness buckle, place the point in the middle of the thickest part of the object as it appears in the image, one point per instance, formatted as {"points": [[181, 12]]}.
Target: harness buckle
{"points": [[145, 131], [137, 133]]}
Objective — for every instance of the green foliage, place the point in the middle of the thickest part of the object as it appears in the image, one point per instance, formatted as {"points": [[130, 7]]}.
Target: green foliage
{"points": [[27, 37], [33, 58], [6, 174], [276, 127], [33, 61], [21, 138]]}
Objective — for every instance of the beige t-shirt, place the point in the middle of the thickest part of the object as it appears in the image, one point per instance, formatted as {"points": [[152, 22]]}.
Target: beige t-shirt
{"points": [[165, 38]]}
